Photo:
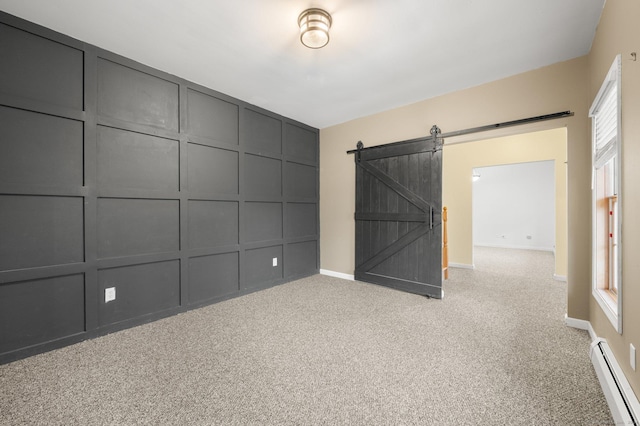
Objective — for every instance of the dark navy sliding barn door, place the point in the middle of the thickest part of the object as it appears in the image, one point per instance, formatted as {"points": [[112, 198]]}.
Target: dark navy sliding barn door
{"points": [[398, 215]]}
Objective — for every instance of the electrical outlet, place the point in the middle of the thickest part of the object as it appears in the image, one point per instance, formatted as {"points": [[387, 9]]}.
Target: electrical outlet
{"points": [[109, 294], [275, 261], [632, 356]]}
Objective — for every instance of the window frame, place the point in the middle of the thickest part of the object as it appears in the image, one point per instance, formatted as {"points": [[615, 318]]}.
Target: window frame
{"points": [[610, 301]]}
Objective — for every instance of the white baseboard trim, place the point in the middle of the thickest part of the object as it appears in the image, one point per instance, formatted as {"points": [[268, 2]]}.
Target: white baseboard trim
{"points": [[511, 247], [621, 399], [461, 265], [560, 277], [581, 325], [337, 274]]}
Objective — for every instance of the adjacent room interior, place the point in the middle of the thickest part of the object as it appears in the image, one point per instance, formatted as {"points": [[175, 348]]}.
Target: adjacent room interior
{"points": [[179, 214], [514, 206]]}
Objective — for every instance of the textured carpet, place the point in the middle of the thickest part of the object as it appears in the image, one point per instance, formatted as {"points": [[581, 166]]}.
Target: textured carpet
{"points": [[327, 351]]}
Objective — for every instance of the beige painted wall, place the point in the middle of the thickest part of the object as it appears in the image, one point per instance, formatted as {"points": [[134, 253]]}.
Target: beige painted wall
{"points": [[570, 85], [619, 33], [555, 88], [458, 163]]}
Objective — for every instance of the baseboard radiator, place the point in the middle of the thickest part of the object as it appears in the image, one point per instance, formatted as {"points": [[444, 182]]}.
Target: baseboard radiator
{"points": [[620, 397]]}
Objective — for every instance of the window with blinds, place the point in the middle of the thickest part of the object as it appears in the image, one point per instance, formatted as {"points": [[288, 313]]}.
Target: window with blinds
{"points": [[606, 258]]}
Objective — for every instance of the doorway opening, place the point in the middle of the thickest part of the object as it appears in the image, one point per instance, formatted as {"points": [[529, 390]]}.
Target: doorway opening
{"points": [[460, 160], [513, 209], [514, 206]]}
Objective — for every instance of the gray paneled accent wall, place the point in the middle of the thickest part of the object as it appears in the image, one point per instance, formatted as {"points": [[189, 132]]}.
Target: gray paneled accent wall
{"points": [[116, 175]]}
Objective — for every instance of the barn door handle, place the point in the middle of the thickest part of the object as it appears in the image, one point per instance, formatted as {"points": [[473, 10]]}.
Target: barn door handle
{"points": [[430, 217]]}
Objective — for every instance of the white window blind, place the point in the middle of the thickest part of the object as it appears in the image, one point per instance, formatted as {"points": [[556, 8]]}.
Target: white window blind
{"points": [[605, 114], [606, 126]]}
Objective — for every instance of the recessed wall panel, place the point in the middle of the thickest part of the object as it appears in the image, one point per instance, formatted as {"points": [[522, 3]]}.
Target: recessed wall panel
{"points": [[212, 223], [301, 144], [37, 68], [40, 231], [134, 96], [259, 269], [263, 221], [301, 259], [39, 311], [212, 118], [212, 170], [263, 176], [213, 276], [134, 160], [302, 220], [302, 181], [39, 149], [263, 133], [140, 290], [134, 226]]}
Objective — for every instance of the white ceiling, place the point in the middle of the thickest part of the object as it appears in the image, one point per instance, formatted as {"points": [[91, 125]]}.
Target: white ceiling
{"points": [[382, 53]]}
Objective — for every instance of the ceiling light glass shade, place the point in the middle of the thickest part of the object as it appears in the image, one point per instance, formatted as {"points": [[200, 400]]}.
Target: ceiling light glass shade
{"points": [[314, 28], [475, 175]]}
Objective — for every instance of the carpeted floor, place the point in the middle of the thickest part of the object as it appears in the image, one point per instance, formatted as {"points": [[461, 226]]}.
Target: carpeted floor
{"points": [[324, 351]]}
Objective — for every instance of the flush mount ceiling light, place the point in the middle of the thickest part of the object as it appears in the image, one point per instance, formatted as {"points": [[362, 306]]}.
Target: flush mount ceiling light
{"points": [[314, 28], [475, 175]]}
